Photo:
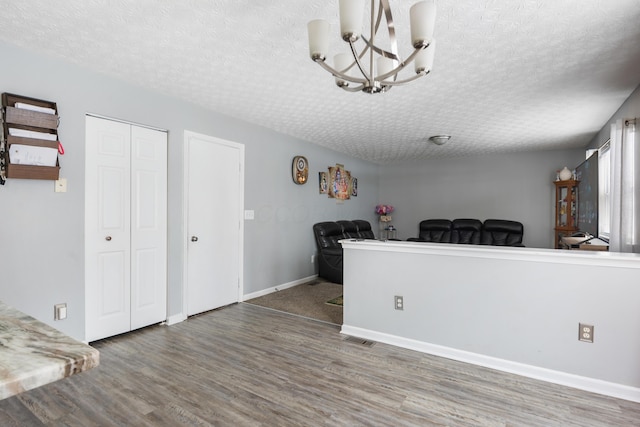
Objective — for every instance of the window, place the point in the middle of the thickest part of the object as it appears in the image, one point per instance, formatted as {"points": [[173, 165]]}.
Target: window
{"points": [[604, 191]]}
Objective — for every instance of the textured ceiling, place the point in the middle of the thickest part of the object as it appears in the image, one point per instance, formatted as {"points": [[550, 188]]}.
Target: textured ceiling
{"points": [[515, 75]]}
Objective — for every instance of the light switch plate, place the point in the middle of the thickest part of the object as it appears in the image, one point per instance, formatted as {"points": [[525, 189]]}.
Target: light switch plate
{"points": [[249, 214], [61, 185]]}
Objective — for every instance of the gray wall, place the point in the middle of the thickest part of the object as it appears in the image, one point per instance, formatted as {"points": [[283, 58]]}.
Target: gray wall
{"points": [[41, 232], [515, 186], [628, 110]]}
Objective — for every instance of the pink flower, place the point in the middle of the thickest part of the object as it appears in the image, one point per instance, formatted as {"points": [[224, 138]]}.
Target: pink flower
{"points": [[384, 209]]}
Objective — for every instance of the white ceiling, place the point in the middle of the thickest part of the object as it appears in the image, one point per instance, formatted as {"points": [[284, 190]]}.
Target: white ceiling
{"points": [[508, 75]]}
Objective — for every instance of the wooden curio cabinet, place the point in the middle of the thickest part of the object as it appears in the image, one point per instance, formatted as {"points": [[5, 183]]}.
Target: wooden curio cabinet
{"points": [[566, 209]]}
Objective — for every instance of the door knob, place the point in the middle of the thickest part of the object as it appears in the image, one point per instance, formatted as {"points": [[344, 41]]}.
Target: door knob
{"points": [[108, 238], [194, 239]]}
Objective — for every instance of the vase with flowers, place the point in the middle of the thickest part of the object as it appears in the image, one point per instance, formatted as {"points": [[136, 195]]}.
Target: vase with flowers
{"points": [[384, 212]]}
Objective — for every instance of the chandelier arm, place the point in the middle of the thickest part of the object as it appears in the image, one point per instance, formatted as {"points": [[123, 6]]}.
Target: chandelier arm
{"points": [[340, 75], [360, 55], [373, 29], [393, 54], [392, 28], [355, 56], [378, 50], [402, 65], [378, 18], [392, 33], [408, 80]]}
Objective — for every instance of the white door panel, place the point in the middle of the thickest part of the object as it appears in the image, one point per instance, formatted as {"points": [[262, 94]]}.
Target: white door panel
{"points": [[112, 306], [148, 227], [144, 295], [107, 243]]}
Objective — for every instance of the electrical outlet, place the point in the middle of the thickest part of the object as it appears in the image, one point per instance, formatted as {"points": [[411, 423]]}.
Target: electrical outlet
{"points": [[399, 302], [60, 311], [313, 259], [585, 332]]}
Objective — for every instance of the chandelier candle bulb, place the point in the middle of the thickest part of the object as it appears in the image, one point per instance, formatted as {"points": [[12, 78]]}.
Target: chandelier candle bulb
{"points": [[318, 39], [422, 17], [351, 19]]}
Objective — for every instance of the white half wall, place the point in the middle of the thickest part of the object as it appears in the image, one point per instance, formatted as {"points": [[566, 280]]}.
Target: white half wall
{"points": [[513, 309]]}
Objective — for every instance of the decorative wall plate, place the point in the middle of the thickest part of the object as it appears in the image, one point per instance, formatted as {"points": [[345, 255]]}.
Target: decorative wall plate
{"points": [[300, 172]]}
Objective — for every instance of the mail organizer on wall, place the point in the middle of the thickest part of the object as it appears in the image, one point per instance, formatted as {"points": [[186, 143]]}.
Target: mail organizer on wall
{"points": [[29, 138]]}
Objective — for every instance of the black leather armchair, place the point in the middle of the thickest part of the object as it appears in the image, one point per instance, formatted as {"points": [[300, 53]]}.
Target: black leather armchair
{"points": [[433, 230], [328, 235], [502, 232], [466, 231]]}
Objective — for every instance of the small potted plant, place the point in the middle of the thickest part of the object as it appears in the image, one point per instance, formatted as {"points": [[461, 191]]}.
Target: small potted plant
{"points": [[385, 212]]}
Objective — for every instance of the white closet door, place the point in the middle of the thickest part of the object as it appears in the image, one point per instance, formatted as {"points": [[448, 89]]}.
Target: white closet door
{"points": [[148, 227], [125, 227], [107, 228]]}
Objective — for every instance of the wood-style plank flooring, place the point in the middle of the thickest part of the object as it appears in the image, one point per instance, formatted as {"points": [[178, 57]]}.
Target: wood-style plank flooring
{"points": [[245, 365]]}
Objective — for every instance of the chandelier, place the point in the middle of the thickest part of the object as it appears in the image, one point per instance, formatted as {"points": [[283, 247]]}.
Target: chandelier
{"points": [[351, 71]]}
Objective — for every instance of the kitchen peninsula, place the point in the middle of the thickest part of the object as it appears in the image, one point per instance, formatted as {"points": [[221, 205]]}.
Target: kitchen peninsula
{"points": [[33, 354]]}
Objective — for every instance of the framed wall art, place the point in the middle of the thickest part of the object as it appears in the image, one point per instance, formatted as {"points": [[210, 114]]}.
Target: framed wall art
{"points": [[300, 170], [339, 182], [323, 182]]}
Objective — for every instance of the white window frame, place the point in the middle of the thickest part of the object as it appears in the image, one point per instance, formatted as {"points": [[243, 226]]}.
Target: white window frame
{"points": [[604, 191]]}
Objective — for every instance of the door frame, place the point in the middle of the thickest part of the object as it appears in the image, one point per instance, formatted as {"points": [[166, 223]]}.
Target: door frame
{"points": [[188, 135]]}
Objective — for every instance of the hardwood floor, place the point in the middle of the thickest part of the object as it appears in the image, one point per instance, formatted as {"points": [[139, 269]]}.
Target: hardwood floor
{"points": [[307, 300], [245, 365]]}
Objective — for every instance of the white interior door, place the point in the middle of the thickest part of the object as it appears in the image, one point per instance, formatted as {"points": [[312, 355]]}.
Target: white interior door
{"points": [[214, 189], [125, 227], [107, 228]]}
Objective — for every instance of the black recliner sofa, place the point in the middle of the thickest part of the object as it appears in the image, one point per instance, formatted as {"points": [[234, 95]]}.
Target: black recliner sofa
{"points": [[328, 235], [495, 232]]}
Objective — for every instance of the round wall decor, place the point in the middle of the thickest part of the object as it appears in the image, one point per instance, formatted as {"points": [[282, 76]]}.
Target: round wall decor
{"points": [[300, 170]]}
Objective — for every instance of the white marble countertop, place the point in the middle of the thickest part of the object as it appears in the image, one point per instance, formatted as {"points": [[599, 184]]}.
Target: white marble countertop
{"points": [[33, 354]]}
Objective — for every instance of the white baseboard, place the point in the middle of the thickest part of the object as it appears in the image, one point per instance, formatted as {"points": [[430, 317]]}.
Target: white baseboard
{"points": [[557, 377], [180, 317], [176, 318], [278, 288]]}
